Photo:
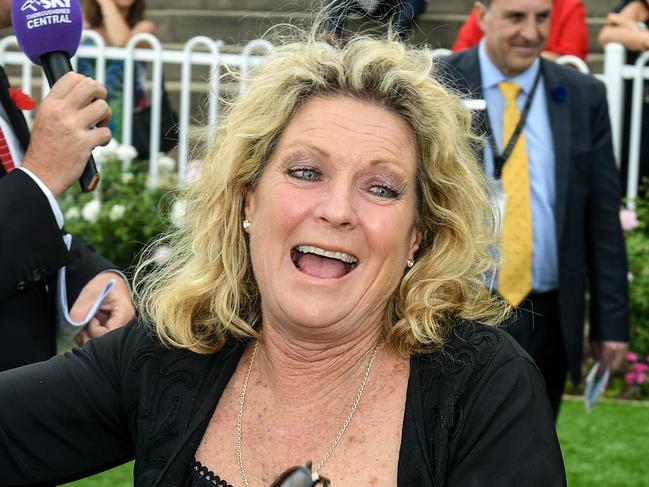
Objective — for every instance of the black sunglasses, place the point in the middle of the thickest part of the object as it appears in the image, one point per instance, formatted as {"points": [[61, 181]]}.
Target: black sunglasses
{"points": [[300, 477]]}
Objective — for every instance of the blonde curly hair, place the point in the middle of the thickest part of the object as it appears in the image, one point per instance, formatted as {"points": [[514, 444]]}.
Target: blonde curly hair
{"points": [[205, 291]]}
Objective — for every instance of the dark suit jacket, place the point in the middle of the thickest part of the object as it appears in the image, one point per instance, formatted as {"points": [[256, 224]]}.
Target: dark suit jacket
{"points": [[590, 243], [31, 252]]}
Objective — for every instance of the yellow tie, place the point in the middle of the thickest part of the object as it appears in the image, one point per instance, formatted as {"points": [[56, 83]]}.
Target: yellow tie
{"points": [[515, 273]]}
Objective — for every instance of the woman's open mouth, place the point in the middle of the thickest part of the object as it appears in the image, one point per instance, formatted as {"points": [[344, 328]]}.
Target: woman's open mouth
{"points": [[324, 264]]}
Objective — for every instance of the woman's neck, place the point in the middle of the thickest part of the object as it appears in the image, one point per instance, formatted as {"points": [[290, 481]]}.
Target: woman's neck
{"points": [[311, 370]]}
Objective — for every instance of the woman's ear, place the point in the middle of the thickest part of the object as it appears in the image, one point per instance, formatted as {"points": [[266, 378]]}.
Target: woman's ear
{"points": [[415, 240], [249, 205]]}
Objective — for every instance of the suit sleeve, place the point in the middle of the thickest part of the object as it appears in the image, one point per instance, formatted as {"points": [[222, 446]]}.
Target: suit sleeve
{"points": [[606, 259], [66, 418], [31, 244], [508, 436]]}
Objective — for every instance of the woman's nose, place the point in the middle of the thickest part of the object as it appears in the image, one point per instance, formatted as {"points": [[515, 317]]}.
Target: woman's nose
{"points": [[337, 205]]}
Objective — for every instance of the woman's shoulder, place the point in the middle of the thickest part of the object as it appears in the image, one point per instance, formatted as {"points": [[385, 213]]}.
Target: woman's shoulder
{"points": [[480, 396], [137, 346], [472, 352]]}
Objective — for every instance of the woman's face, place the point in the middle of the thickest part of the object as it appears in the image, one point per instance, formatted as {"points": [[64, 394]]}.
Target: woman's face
{"points": [[333, 215]]}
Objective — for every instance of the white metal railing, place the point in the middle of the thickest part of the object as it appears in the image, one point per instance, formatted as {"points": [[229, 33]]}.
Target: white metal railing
{"points": [[186, 58], [615, 72]]}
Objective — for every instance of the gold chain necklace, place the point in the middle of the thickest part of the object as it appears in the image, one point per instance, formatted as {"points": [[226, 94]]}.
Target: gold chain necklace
{"points": [[339, 436]]}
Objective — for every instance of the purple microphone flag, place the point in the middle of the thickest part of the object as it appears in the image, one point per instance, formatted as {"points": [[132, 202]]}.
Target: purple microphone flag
{"points": [[45, 26]]}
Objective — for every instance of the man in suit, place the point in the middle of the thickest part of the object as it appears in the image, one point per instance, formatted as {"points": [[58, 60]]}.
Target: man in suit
{"points": [[558, 189], [33, 172]]}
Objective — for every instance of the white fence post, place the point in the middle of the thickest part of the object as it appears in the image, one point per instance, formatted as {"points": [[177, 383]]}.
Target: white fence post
{"points": [[637, 104], [100, 59], [575, 62], [247, 53], [185, 96], [155, 101], [614, 59]]}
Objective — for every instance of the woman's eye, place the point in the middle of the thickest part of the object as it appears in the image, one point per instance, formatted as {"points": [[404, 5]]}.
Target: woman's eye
{"points": [[384, 191], [305, 174]]}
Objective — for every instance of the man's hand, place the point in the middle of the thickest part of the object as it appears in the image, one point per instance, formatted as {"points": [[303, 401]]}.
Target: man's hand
{"points": [[64, 136], [609, 354], [116, 310]]}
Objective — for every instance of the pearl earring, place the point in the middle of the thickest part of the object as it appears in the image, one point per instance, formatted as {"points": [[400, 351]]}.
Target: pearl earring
{"points": [[246, 224], [410, 263]]}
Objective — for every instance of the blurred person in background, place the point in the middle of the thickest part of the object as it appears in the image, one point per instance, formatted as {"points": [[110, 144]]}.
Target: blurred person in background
{"points": [[568, 31], [117, 21], [401, 13], [549, 152], [628, 24]]}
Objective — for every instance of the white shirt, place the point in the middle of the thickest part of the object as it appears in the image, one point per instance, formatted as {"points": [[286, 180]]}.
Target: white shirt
{"points": [[540, 153]]}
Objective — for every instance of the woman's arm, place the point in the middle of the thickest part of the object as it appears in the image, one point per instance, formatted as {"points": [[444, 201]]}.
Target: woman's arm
{"points": [[626, 28], [65, 419], [508, 436]]}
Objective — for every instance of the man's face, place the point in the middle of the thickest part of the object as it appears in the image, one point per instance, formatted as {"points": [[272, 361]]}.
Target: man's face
{"points": [[5, 13], [515, 32]]}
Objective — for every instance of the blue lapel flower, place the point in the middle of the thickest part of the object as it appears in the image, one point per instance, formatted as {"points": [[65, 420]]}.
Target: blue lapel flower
{"points": [[559, 93]]}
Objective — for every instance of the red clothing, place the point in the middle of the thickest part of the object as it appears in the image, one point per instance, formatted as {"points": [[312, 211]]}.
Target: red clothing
{"points": [[568, 30]]}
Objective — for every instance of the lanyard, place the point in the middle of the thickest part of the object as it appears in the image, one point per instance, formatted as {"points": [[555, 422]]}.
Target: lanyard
{"points": [[501, 159]]}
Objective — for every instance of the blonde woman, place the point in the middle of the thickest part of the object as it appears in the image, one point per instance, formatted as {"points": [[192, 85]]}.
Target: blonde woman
{"points": [[324, 303]]}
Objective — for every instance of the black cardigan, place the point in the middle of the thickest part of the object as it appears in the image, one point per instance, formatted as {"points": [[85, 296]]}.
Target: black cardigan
{"points": [[476, 413]]}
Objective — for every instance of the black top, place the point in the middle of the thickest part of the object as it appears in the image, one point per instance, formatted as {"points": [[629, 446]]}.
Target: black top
{"points": [[201, 476], [476, 413]]}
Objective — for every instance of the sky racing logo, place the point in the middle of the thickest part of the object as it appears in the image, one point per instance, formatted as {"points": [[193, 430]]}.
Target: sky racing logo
{"points": [[46, 12]]}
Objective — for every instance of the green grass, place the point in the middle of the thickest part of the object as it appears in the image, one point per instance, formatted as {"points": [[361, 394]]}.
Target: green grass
{"points": [[117, 477], [607, 448]]}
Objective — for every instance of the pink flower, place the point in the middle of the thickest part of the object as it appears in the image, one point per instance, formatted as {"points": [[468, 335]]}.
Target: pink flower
{"points": [[628, 219], [631, 357], [640, 368], [641, 378], [629, 378]]}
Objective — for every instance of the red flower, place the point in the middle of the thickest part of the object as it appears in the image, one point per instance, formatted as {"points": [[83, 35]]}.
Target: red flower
{"points": [[21, 99]]}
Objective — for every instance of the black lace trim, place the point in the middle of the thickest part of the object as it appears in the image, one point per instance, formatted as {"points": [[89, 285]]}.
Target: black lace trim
{"points": [[201, 476]]}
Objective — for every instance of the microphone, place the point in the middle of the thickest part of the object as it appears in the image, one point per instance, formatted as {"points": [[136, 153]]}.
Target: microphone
{"points": [[49, 32]]}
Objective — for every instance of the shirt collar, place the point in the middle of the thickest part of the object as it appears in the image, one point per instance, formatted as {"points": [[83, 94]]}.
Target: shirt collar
{"points": [[491, 75]]}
